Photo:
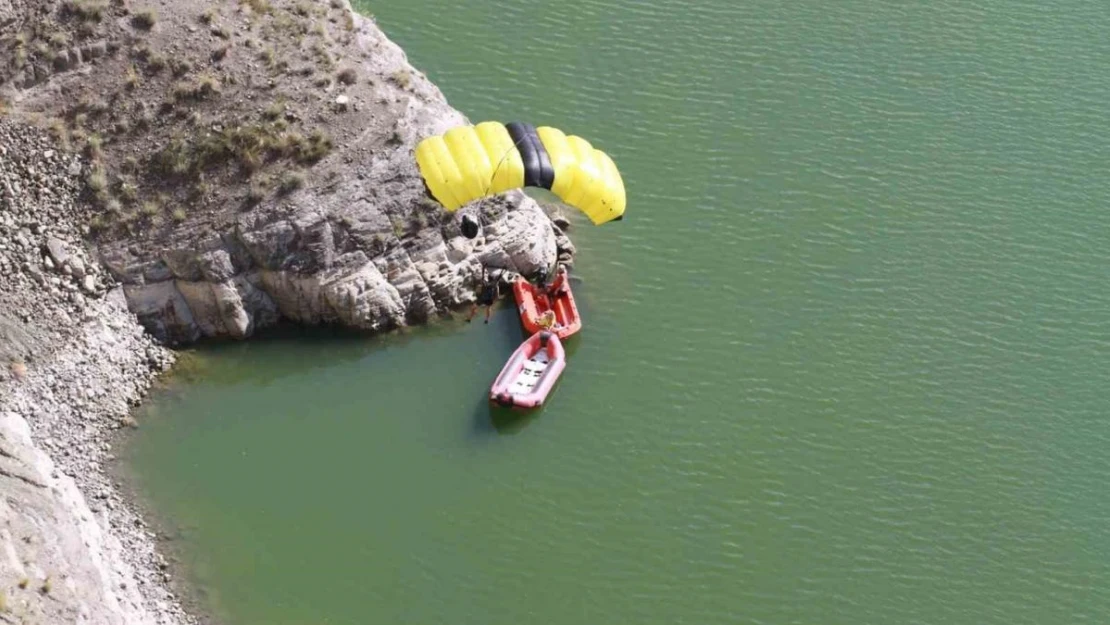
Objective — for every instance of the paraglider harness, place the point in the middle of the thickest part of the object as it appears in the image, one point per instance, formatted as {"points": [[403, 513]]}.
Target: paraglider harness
{"points": [[490, 287]]}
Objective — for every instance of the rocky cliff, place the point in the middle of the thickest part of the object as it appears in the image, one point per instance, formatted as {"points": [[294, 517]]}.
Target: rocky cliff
{"points": [[203, 169], [254, 162]]}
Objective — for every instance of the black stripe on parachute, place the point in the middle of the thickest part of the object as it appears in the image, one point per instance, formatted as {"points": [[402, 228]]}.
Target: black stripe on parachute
{"points": [[538, 171]]}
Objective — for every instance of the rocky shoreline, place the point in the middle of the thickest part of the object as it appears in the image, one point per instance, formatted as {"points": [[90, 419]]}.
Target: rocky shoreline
{"points": [[94, 279], [75, 362]]}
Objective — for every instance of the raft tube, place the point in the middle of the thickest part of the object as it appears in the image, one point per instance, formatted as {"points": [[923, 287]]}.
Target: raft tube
{"points": [[533, 301], [530, 373]]}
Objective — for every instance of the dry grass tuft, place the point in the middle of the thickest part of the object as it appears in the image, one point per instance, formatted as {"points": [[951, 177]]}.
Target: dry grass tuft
{"points": [[261, 7], [402, 78], [97, 179], [144, 20], [85, 10], [291, 181], [347, 75], [203, 87], [131, 78]]}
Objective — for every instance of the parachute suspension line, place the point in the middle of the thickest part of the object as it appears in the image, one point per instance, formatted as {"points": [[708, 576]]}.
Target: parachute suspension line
{"points": [[499, 164]]}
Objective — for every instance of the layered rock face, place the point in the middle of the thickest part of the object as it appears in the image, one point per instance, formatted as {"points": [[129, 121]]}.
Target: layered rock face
{"points": [[342, 264]]}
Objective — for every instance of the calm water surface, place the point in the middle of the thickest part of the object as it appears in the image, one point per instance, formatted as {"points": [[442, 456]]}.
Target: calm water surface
{"points": [[847, 361]]}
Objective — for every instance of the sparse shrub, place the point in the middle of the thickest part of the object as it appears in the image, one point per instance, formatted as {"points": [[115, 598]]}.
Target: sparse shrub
{"points": [[151, 208], [144, 20], [128, 192], [402, 78], [85, 10], [273, 111], [97, 179], [267, 55], [208, 15], [220, 53], [179, 67], [87, 29], [323, 56], [23, 583], [302, 9], [46, 586], [291, 181], [205, 85], [347, 75], [307, 150], [257, 191], [58, 39], [93, 105], [258, 6], [59, 131], [178, 214], [131, 78], [93, 147], [220, 31], [156, 63], [3, 603]]}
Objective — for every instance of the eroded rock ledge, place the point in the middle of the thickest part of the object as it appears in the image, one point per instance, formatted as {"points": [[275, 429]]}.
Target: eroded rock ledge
{"points": [[319, 264]]}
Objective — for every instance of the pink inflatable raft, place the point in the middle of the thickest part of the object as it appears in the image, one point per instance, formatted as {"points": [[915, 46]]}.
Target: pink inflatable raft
{"points": [[530, 373]]}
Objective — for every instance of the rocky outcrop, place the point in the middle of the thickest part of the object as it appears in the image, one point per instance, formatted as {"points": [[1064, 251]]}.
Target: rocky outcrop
{"points": [[369, 250], [342, 265]]}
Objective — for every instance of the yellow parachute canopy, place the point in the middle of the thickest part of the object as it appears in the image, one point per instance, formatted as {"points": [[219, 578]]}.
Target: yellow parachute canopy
{"points": [[471, 162]]}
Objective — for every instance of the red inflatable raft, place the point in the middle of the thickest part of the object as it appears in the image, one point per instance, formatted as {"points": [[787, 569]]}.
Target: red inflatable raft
{"points": [[533, 302], [530, 373]]}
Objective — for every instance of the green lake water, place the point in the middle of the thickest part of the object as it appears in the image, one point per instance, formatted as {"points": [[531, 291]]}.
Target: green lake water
{"points": [[846, 361]]}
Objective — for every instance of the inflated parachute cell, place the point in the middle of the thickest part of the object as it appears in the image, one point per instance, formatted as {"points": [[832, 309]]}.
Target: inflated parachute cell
{"points": [[471, 162]]}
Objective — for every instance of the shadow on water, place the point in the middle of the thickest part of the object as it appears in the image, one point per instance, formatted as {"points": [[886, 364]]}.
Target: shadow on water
{"points": [[229, 363], [490, 417]]}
